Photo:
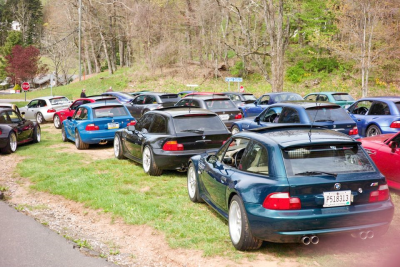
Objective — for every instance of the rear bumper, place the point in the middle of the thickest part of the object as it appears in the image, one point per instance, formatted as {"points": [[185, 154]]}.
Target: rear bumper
{"points": [[95, 137], [173, 160], [48, 116], [291, 226], [3, 142]]}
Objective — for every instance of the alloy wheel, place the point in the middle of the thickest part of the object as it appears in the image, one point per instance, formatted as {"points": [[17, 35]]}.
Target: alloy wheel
{"points": [[13, 142], [191, 182], [235, 222], [146, 159]]}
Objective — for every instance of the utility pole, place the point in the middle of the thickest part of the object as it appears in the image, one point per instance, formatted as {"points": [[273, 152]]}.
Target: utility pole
{"points": [[80, 33]]}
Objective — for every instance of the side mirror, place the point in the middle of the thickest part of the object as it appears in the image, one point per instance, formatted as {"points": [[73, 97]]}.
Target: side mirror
{"points": [[131, 128], [212, 159], [69, 118], [255, 103], [393, 145], [257, 119]]}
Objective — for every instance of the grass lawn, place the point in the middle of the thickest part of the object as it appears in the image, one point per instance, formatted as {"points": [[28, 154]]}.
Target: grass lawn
{"points": [[121, 188]]}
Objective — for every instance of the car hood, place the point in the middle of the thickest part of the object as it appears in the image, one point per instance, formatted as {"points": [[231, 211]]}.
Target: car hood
{"points": [[377, 138]]}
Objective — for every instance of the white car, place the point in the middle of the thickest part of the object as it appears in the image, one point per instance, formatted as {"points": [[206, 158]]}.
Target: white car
{"points": [[42, 109]]}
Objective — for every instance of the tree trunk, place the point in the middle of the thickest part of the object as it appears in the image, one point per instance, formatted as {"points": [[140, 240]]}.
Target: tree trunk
{"points": [[89, 63], [121, 53], [96, 62], [110, 69]]}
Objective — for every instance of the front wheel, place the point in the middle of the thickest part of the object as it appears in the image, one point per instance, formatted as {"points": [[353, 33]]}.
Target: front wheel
{"points": [[39, 118], [192, 185], [373, 130], [239, 230], [149, 165], [57, 122], [11, 146], [36, 134], [78, 142], [235, 130], [118, 151]]}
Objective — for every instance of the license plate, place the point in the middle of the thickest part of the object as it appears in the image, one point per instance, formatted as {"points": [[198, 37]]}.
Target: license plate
{"points": [[113, 125], [339, 198], [224, 117]]}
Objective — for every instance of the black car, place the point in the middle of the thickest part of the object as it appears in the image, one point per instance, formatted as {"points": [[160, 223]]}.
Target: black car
{"points": [[14, 130], [166, 139], [222, 105], [241, 99], [151, 101]]}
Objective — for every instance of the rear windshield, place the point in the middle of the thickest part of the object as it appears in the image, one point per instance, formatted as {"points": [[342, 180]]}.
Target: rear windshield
{"points": [[249, 97], [319, 114], [220, 104], [342, 97], [198, 124], [109, 111], [59, 100], [398, 106], [169, 98], [326, 158]]}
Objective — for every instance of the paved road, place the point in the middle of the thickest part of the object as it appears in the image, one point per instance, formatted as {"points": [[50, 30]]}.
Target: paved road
{"points": [[25, 242]]}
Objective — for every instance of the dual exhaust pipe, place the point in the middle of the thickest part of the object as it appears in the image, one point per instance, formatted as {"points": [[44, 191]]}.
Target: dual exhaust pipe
{"points": [[307, 240], [363, 235]]}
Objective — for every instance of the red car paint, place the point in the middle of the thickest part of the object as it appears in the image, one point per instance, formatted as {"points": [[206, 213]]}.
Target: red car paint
{"points": [[68, 112]]}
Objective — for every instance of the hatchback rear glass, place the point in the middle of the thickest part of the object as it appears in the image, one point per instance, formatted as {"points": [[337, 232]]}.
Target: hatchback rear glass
{"points": [[59, 100], [326, 158], [249, 97], [109, 111], [327, 114], [398, 106], [198, 123], [342, 97], [220, 104], [169, 96]]}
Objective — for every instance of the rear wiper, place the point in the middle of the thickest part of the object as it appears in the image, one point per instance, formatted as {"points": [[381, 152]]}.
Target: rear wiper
{"points": [[316, 173], [193, 131], [325, 120]]}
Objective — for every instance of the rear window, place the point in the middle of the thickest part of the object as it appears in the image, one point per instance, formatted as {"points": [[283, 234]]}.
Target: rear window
{"points": [[169, 98], [220, 104], [342, 97], [326, 158], [249, 97], [59, 100], [318, 114], [398, 106], [198, 124], [109, 111]]}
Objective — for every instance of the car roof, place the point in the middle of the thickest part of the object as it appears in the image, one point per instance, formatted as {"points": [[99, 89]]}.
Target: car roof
{"points": [[158, 93], [209, 97], [101, 104], [237, 93], [180, 111], [328, 93], [382, 98], [282, 135], [281, 93], [49, 97], [305, 104]]}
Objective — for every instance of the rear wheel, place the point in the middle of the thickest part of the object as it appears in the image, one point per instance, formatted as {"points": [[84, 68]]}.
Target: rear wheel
{"points": [[235, 130], [373, 130], [40, 118], [149, 165], [37, 134], [63, 134], [78, 142], [239, 230], [57, 122], [11, 146], [192, 185], [118, 151]]}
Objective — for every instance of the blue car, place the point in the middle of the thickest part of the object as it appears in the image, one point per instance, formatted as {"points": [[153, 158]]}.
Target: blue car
{"points": [[376, 115], [122, 97], [265, 100], [326, 115], [276, 188], [95, 123]]}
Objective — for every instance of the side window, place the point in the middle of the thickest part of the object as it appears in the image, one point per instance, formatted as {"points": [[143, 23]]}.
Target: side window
{"points": [[311, 97], [232, 152], [145, 122], [322, 98], [195, 103], [42, 103], [183, 103], [379, 108], [289, 115], [149, 100], [360, 107], [76, 104], [4, 118], [81, 114], [159, 125], [14, 116], [139, 100], [264, 100], [255, 160], [271, 115], [33, 104]]}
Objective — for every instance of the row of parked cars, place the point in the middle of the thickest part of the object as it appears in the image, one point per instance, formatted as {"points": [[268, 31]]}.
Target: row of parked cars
{"points": [[297, 172]]}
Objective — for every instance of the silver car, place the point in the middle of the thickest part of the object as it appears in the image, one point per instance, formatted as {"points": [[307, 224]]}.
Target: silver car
{"points": [[42, 109]]}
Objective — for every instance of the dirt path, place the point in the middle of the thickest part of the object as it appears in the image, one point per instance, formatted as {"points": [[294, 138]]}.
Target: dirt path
{"points": [[100, 234]]}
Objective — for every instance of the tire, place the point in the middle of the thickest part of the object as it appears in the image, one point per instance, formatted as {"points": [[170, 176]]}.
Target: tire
{"points": [[37, 134], [11, 146], [149, 165], [78, 142], [192, 185], [63, 134], [373, 130], [39, 118], [235, 130], [118, 150], [57, 122], [239, 230]]}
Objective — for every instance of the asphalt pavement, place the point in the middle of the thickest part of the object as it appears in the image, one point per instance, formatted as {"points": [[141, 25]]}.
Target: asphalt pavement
{"points": [[25, 242]]}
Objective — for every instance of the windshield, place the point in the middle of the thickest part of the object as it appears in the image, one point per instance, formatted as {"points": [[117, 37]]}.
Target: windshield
{"points": [[327, 114], [198, 124], [286, 97], [59, 100], [249, 97], [109, 111], [220, 104], [331, 158], [342, 97]]}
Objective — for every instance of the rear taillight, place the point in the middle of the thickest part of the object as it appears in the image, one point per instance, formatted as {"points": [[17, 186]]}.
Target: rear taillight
{"points": [[395, 124], [52, 110], [354, 131], [1, 132], [238, 116], [281, 201], [381, 194], [91, 127], [132, 123], [172, 146]]}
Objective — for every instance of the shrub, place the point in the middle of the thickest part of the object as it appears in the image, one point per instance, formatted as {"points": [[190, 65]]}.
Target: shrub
{"points": [[237, 69]]}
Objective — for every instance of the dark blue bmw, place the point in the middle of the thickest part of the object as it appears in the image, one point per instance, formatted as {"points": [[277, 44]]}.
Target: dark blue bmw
{"points": [[291, 184]]}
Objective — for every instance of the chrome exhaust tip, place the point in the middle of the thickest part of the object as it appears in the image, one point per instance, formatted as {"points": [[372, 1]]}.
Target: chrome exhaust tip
{"points": [[370, 234], [315, 239], [103, 142], [363, 235], [306, 240]]}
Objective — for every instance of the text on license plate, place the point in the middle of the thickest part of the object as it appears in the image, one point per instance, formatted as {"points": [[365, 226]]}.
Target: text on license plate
{"points": [[113, 125], [338, 198], [224, 117]]}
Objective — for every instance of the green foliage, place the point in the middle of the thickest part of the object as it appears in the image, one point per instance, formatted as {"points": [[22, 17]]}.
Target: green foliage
{"points": [[295, 73], [231, 54], [14, 38], [237, 69]]}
